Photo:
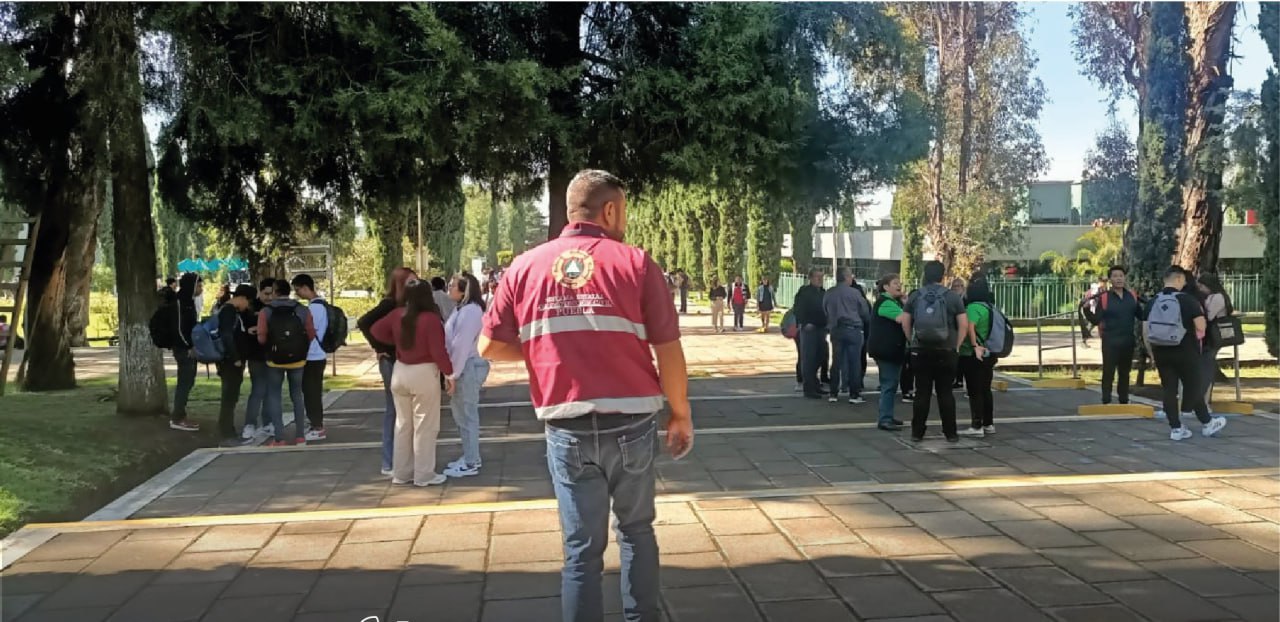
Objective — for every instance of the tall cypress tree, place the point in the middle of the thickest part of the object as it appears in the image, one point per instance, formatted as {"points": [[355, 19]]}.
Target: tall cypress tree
{"points": [[1152, 231], [1269, 26]]}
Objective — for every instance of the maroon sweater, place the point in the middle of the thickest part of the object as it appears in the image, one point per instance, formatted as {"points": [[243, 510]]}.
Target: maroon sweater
{"points": [[428, 344]]}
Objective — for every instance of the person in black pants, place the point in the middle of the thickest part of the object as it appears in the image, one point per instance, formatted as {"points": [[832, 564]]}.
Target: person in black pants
{"points": [[1115, 312], [1180, 363], [811, 320], [190, 286], [976, 363], [935, 322], [235, 347]]}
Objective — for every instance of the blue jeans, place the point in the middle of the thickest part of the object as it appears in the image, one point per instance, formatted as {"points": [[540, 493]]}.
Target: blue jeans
{"points": [[254, 413], [889, 375], [386, 364], [186, 360], [275, 401], [465, 405], [847, 345], [592, 459]]}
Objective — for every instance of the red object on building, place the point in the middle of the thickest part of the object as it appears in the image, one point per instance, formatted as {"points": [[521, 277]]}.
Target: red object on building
{"points": [[1251, 217]]}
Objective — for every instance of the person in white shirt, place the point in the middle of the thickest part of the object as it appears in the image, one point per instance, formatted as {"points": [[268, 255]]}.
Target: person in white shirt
{"points": [[461, 333]]}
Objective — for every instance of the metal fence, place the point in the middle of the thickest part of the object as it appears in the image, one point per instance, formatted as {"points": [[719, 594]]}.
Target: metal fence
{"points": [[1028, 298]]}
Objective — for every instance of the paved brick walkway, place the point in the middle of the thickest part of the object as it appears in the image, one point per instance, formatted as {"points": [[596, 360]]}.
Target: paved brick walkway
{"points": [[788, 509]]}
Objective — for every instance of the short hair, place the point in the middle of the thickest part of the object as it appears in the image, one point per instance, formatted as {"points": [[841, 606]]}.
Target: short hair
{"points": [[842, 273], [267, 282], [4, 318], [979, 291], [437, 283], [1175, 270], [281, 288], [933, 272], [814, 270], [304, 280], [170, 281], [1113, 269], [588, 191]]}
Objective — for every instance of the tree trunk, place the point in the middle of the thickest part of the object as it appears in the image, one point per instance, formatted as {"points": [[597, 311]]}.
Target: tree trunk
{"points": [[49, 364], [389, 225], [1210, 25], [971, 16], [82, 245], [562, 52], [142, 388], [492, 240], [937, 235]]}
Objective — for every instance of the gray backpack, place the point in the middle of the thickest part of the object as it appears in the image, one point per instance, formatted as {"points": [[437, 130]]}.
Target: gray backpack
{"points": [[930, 320], [1164, 321]]}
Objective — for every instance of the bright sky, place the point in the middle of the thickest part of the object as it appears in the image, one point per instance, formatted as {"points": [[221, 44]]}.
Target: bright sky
{"points": [[1077, 109]]}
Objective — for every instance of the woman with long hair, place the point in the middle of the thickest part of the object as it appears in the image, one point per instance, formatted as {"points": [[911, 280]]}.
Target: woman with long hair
{"points": [[976, 363], [461, 332], [1217, 305], [386, 352], [764, 303], [887, 344], [421, 357]]}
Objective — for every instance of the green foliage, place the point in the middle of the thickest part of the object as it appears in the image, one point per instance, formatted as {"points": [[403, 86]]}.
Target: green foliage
{"points": [[1151, 235], [1109, 44], [1093, 253], [802, 239], [505, 257], [359, 267], [733, 230], [764, 240], [910, 203], [1111, 174]]}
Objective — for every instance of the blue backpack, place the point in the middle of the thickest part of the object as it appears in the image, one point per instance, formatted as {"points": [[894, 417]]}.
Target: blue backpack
{"points": [[206, 341]]}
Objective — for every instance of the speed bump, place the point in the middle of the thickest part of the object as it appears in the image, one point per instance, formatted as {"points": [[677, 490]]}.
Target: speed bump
{"points": [[1235, 408], [1058, 383], [1136, 410]]}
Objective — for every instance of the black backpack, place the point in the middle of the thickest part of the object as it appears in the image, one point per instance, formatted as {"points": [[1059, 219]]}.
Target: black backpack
{"points": [[164, 325], [287, 342], [336, 331]]}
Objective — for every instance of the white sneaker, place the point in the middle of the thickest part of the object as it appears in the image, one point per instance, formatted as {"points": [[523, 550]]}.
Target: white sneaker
{"points": [[857, 399], [799, 388], [1180, 434], [974, 432], [466, 470], [988, 429], [1214, 426], [461, 462], [435, 481], [316, 434], [249, 432], [267, 430], [386, 471], [833, 399]]}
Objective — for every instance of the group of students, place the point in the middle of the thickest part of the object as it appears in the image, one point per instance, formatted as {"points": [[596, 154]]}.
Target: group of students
{"points": [[923, 340], [425, 336], [1183, 328], [736, 296], [264, 331]]}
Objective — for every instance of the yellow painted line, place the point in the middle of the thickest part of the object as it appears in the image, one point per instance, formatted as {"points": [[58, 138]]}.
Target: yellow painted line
{"points": [[1238, 408], [767, 493], [1058, 383], [1000, 385], [1134, 410]]}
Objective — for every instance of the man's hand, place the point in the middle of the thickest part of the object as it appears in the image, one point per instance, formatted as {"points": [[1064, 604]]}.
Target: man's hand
{"points": [[449, 385], [680, 433], [499, 350]]}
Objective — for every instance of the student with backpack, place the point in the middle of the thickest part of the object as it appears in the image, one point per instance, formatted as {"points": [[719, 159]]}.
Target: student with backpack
{"points": [[386, 352], [1115, 311], [935, 322], [421, 357], [317, 354], [1173, 330], [1217, 307], [888, 346], [286, 329], [256, 422], [976, 362], [739, 294], [235, 340], [184, 319]]}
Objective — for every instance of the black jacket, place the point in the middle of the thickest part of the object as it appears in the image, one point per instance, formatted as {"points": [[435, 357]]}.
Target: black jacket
{"points": [[251, 350], [366, 322], [808, 306], [231, 329], [886, 342], [188, 317], [1118, 322]]}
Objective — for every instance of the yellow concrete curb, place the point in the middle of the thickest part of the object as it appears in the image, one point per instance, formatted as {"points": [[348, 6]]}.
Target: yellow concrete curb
{"points": [[1000, 385], [1059, 383], [1236, 408], [1137, 410]]}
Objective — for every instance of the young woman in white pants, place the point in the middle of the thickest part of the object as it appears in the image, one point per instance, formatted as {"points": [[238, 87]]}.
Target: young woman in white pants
{"points": [[462, 331], [421, 357]]}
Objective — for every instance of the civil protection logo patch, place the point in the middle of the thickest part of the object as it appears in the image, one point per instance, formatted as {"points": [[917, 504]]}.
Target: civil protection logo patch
{"points": [[573, 268]]}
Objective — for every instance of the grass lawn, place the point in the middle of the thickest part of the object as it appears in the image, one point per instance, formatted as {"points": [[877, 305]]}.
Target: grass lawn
{"points": [[1259, 384], [63, 455]]}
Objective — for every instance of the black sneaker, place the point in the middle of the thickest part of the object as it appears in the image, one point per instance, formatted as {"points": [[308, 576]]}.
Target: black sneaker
{"points": [[908, 397], [953, 439], [890, 427], [917, 439], [898, 423]]}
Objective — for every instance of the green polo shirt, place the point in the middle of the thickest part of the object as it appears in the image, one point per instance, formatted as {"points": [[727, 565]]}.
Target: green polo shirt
{"points": [[980, 316]]}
